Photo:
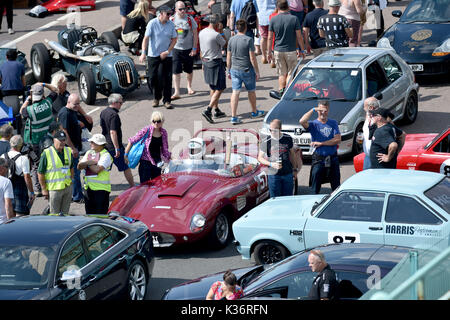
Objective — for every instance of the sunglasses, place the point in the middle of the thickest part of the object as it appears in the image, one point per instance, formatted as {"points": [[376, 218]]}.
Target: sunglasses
{"points": [[182, 9], [157, 121]]}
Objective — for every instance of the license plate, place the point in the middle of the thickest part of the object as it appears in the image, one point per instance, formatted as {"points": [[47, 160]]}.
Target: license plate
{"points": [[416, 67], [298, 131], [302, 141]]}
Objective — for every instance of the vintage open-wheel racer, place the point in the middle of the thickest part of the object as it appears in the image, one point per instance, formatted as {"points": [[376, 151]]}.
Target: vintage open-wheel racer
{"points": [[96, 62]]}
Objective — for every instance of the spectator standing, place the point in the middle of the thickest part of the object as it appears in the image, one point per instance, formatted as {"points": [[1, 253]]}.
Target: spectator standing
{"points": [[135, 25], [226, 289], [37, 112], [278, 153], [6, 193], [97, 162], [298, 8], [325, 137], [272, 61], [266, 7], [224, 10], [381, 4], [6, 132], [67, 117], [8, 5], [353, 10], [112, 130], [185, 49], [325, 285], [56, 173], [235, 15], [211, 44], [287, 32], [243, 68], [156, 147], [159, 40], [20, 179], [126, 6], [334, 27], [311, 34]]}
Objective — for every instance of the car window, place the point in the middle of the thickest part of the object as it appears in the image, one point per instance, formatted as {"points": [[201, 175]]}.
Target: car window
{"points": [[440, 194], [72, 254], [355, 206], [298, 284], [116, 234], [97, 240], [443, 146], [352, 285], [391, 68], [375, 78], [403, 209]]}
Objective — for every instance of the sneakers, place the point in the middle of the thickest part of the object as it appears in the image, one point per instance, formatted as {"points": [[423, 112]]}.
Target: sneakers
{"points": [[235, 120], [168, 105], [258, 114], [208, 116], [10, 31], [219, 114], [155, 103]]}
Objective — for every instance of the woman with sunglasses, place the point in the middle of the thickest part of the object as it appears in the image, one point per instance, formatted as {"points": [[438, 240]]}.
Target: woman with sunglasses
{"points": [[156, 147]]}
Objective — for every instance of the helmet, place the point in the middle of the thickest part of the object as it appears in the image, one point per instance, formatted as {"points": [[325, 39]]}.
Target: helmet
{"points": [[197, 148]]}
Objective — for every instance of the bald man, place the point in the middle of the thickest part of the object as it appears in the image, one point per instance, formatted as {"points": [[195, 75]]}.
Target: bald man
{"points": [[325, 284]]}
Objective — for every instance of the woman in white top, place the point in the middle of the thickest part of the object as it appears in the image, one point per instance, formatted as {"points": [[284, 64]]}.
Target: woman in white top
{"points": [[353, 10]]}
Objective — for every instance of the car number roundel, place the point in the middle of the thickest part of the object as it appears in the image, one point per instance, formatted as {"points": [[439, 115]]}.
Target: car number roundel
{"points": [[445, 168], [343, 237]]}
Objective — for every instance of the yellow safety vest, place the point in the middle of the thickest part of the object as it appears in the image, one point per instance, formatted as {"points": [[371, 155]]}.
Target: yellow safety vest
{"points": [[57, 175], [101, 180]]}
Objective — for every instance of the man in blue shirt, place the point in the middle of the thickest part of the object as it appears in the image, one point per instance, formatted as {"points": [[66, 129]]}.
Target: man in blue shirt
{"points": [[159, 40], [325, 137], [235, 15]]}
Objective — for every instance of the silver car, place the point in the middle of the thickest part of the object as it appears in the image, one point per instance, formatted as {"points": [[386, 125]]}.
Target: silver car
{"points": [[346, 77]]}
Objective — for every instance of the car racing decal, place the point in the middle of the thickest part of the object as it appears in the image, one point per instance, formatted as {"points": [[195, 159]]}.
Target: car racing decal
{"points": [[421, 35], [241, 202], [343, 237], [411, 230], [445, 168]]}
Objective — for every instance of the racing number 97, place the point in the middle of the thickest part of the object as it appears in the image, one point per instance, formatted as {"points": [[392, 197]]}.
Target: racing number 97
{"points": [[343, 237], [340, 239]]}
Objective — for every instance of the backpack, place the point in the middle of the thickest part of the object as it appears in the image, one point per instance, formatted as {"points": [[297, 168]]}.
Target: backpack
{"points": [[11, 165], [248, 14]]}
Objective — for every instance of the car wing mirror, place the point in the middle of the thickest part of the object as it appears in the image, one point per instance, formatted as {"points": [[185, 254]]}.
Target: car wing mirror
{"points": [[71, 279], [397, 13], [275, 94]]}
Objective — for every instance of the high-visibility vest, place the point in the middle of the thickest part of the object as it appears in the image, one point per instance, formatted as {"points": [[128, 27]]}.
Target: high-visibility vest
{"points": [[102, 180], [39, 118], [57, 175]]}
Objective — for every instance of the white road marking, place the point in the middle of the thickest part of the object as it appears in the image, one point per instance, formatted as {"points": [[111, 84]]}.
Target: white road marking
{"points": [[92, 111]]}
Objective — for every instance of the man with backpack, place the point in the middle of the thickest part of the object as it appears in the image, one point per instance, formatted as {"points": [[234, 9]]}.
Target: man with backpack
{"points": [[185, 49], [19, 174], [246, 10]]}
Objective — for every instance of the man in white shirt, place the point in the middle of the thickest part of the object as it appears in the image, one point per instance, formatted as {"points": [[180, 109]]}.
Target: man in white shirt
{"points": [[6, 193], [370, 104]]}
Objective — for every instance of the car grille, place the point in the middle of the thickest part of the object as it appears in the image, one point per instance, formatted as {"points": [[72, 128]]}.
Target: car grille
{"points": [[124, 73]]}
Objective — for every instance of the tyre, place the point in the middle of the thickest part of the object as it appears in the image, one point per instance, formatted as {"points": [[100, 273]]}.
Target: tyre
{"points": [[86, 85], [137, 281], [268, 251], [40, 63], [110, 38], [411, 109], [221, 232], [357, 147]]}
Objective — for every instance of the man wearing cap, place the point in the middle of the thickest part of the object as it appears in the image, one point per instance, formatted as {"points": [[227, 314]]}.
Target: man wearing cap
{"points": [[334, 27], [55, 174], [159, 40], [37, 110], [97, 162]]}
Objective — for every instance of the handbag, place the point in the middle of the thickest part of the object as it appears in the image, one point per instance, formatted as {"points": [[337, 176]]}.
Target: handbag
{"points": [[135, 154]]}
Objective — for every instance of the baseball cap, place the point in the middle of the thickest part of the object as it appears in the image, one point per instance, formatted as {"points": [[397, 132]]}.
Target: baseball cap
{"points": [[334, 3], [98, 139], [212, 18], [385, 113], [37, 92], [60, 135]]}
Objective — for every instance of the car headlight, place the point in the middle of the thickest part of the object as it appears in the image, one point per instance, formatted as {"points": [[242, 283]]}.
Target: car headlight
{"points": [[197, 222], [344, 128], [384, 43], [443, 49]]}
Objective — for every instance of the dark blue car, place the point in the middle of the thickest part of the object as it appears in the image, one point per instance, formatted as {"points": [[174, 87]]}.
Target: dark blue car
{"points": [[422, 36], [74, 257]]}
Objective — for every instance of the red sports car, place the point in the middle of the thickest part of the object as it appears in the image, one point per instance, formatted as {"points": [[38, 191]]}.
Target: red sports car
{"points": [[197, 197], [422, 151]]}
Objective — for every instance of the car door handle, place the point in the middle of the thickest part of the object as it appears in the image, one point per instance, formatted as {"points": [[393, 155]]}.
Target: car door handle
{"points": [[375, 228], [92, 279], [121, 258]]}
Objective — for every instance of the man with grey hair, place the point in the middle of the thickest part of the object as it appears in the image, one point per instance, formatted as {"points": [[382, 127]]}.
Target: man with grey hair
{"points": [[6, 193], [112, 130], [325, 284], [20, 178], [6, 132]]}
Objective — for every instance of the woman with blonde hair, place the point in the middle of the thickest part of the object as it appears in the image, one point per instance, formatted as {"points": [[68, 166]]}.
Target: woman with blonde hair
{"points": [[156, 147], [135, 25]]}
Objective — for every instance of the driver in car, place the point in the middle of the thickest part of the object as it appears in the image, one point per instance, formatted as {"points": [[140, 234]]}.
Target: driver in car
{"points": [[322, 88]]}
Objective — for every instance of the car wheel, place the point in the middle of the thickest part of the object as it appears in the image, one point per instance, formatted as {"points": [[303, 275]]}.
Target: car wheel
{"points": [[137, 281], [111, 39], [411, 109], [40, 63], [221, 232], [357, 147], [267, 252], [86, 85]]}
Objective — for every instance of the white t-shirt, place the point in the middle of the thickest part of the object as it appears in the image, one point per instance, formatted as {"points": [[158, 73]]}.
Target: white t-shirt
{"points": [[22, 163], [366, 142], [105, 160], [6, 192]]}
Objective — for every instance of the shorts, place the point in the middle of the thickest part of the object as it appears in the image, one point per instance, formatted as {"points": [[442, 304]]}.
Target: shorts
{"points": [[221, 80], [247, 77], [126, 6], [182, 61], [264, 31], [120, 161], [285, 62]]}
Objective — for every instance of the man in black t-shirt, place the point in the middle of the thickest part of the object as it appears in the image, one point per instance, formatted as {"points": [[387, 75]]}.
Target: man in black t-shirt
{"points": [[383, 150], [325, 284], [311, 32], [277, 153], [334, 27]]}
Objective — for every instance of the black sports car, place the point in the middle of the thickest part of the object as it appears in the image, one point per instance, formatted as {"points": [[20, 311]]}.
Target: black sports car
{"points": [[422, 36], [356, 265], [74, 257]]}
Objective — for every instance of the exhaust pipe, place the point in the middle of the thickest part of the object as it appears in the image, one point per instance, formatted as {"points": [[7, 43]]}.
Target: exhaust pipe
{"points": [[60, 49]]}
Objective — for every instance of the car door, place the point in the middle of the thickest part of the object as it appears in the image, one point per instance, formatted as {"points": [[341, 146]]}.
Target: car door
{"points": [[377, 84], [410, 222], [349, 217], [397, 86], [437, 157]]}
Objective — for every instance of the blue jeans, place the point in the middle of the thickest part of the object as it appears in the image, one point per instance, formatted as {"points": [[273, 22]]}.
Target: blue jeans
{"points": [[319, 171], [367, 163], [77, 192], [281, 185]]}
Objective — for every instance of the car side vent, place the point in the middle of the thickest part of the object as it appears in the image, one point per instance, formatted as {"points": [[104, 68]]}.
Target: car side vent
{"points": [[124, 73]]}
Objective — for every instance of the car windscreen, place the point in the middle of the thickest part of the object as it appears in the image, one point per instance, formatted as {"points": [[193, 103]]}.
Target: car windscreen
{"points": [[343, 84], [440, 194], [433, 11], [25, 267]]}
